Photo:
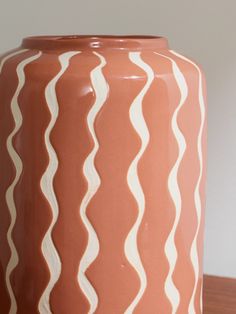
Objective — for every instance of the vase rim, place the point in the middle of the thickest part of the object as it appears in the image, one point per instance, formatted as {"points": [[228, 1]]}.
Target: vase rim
{"points": [[130, 42]]}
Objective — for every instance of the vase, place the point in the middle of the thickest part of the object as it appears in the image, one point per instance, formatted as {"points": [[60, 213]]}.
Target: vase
{"points": [[102, 167]]}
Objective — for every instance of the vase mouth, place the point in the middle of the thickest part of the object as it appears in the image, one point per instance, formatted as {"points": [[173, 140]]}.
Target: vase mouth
{"points": [[130, 42]]}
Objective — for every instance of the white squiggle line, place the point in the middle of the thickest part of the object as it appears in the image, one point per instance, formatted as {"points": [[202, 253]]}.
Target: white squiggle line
{"points": [[171, 290], [3, 61], [197, 198], [139, 124], [48, 249], [17, 116], [101, 91]]}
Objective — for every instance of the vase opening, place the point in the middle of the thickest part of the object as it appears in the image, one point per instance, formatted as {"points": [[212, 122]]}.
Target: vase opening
{"points": [[136, 42]]}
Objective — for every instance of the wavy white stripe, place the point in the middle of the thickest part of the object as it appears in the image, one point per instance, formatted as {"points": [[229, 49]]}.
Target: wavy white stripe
{"points": [[48, 249], [197, 198], [101, 91], [139, 124], [171, 290], [17, 116], [10, 55]]}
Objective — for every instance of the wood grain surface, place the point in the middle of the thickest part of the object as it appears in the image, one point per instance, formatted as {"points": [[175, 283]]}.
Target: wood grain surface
{"points": [[219, 295]]}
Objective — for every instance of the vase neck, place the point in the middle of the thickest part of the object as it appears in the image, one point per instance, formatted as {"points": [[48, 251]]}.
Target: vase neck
{"points": [[75, 42]]}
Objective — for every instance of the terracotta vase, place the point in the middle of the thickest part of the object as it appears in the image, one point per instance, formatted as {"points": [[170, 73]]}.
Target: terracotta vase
{"points": [[102, 167]]}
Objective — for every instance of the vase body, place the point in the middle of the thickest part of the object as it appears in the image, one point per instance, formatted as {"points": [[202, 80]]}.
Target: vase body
{"points": [[102, 166]]}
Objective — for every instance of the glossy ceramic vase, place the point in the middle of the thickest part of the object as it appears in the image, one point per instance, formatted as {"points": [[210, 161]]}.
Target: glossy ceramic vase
{"points": [[102, 173]]}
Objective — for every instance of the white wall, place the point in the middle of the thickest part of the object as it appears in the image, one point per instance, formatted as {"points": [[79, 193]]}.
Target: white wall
{"points": [[202, 29]]}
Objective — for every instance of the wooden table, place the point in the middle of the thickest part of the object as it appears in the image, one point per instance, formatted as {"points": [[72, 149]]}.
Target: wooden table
{"points": [[219, 295]]}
